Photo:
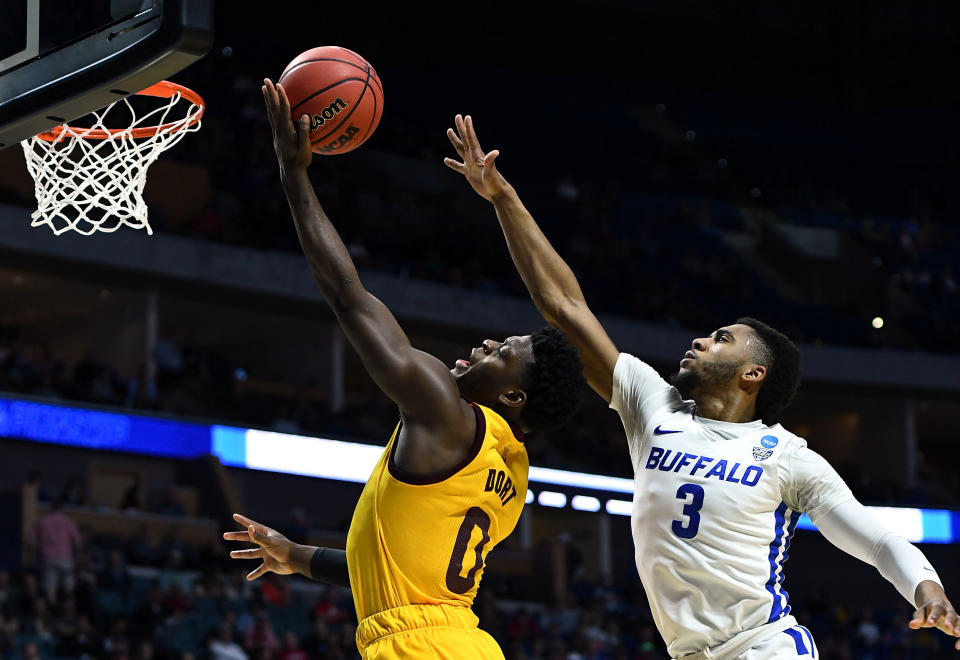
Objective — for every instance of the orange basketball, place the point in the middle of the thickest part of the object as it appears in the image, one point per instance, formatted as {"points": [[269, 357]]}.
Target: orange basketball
{"points": [[340, 91]]}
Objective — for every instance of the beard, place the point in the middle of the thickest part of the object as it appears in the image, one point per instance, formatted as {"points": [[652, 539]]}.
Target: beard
{"points": [[691, 383]]}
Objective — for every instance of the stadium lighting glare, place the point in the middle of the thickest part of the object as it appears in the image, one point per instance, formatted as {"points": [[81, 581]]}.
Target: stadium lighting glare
{"points": [[877, 322], [585, 503], [552, 499], [338, 460], [619, 507]]}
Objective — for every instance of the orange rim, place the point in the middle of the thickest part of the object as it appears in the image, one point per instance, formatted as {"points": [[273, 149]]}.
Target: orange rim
{"points": [[162, 89]]}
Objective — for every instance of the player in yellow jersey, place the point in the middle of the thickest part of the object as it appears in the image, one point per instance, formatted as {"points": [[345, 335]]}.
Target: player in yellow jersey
{"points": [[452, 480]]}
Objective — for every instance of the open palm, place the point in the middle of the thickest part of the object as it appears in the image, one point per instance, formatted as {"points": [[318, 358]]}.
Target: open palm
{"points": [[479, 168], [273, 548]]}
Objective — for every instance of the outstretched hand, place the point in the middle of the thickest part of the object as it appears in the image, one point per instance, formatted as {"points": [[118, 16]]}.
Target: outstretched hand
{"points": [[290, 140], [479, 167], [937, 612], [273, 548]]}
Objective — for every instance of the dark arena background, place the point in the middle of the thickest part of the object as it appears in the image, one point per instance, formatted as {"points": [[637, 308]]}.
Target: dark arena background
{"points": [[693, 161]]}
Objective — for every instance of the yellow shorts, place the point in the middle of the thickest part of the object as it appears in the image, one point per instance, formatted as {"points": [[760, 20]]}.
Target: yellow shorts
{"points": [[425, 631]]}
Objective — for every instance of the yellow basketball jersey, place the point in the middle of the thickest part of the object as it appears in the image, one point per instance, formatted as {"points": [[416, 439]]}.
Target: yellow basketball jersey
{"points": [[424, 542]]}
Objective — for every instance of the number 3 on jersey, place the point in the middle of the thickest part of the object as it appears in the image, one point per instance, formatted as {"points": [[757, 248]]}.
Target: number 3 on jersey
{"points": [[691, 510]]}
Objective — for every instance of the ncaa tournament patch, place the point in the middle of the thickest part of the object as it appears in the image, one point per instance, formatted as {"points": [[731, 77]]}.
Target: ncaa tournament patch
{"points": [[769, 441]]}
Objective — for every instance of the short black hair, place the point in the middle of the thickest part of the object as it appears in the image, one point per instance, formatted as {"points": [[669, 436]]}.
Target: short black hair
{"points": [[555, 381], [781, 357]]}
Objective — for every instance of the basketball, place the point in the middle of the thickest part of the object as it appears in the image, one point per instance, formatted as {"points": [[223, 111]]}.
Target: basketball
{"points": [[340, 91]]}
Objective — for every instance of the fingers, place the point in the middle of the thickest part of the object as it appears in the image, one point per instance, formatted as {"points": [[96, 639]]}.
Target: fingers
{"points": [[257, 572], [246, 522], [455, 141], [249, 553], [284, 102], [462, 131], [256, 535], [934, 614], [272, 89], [471, 137], [266, 101], [270, 99], [254, 532], [303, 130], [490, 158], [951, 623], [919, 619], [928, 616], [454, 165]]}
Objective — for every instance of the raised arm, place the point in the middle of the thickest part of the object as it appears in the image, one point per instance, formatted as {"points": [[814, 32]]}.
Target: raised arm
{"points": [[552, 285], [421, 385]]}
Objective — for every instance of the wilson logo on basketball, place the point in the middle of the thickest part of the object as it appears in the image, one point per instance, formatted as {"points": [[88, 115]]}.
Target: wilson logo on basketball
{"points": [[344, 138], [319, 119]]}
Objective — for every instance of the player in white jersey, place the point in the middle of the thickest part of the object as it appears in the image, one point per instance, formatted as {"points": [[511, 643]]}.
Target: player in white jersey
{"points": [[718, 492]]}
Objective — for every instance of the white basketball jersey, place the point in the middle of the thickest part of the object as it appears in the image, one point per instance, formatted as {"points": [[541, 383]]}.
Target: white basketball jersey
{"points": [[715, 506]]}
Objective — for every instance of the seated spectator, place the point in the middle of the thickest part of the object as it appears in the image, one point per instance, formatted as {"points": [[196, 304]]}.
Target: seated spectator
{"points": [[81, 641], [318, 642], [291, 649], [116, 575], [274, 591], [88, 568], [151, 612], [66, 619], [7, 596], [31, 652], [329, 607], [9, 627], [40, 623], [118, 643], [261, 636], [223, 647], [145, 650], [177, 599]]}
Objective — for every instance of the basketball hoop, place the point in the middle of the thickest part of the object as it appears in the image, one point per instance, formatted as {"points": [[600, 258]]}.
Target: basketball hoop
{"points": [[91, 179]]}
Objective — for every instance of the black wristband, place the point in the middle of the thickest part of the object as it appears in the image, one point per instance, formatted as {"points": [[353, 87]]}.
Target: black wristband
{"points": [[330, 566]]}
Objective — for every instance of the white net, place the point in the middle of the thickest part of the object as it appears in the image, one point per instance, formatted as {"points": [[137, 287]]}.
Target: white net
{"points": [[91, 179]]}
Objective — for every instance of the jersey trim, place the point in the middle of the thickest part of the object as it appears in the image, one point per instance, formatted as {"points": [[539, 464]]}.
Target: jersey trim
{"points": [[783, 534], [813, 647], [797, 641], [402, 476]]}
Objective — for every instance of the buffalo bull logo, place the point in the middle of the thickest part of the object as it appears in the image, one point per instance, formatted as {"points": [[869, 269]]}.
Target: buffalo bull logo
{"points": [[760, 454]]}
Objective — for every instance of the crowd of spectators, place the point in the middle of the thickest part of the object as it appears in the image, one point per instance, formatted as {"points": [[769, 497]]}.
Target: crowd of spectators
{"points": [[123, 603], [656, 223]]}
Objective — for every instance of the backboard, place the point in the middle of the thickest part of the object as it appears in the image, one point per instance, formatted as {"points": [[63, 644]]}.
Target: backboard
{"points": [[60, 59]]}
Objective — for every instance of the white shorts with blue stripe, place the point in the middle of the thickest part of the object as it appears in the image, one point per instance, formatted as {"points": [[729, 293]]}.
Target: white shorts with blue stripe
{"points": [[795, 642]]}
